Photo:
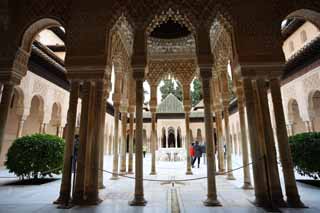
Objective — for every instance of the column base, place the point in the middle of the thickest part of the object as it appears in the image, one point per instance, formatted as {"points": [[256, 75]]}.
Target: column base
{"points": [[296, 203], [247, 186], [211, 202], [280, 203], [189, 173], [78, 198], [138, 201], [153, 173], [92, 202], [122, 172], [114, 177], [220, 173], [102, 186], [62, 199], [66, 206], [230, 176]]}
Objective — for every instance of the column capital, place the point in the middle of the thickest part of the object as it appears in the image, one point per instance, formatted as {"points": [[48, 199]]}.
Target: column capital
{"points": [[271, 70]]}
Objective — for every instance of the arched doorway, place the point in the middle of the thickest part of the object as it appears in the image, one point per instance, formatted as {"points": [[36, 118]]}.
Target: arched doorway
{"points": [[163, 138], [314, 105], [55, 121], [179, 140], [171, 138], [35, 118], [294, 117]]}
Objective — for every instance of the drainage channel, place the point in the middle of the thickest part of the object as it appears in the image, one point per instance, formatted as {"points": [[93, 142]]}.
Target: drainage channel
{"points": [[175, 207]]}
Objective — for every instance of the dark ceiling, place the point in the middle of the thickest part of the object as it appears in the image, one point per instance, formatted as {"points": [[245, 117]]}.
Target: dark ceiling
{"points": [[170, 30]]}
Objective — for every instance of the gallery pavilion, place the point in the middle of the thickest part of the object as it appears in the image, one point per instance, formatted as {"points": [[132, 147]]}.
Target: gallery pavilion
{"points": [[77, 68]]}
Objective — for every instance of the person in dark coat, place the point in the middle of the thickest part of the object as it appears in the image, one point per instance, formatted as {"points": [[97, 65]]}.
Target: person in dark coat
{"points": [[197, 154]]}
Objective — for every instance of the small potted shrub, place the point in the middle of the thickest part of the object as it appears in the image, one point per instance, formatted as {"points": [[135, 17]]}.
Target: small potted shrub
{"points": [[35, 156]]}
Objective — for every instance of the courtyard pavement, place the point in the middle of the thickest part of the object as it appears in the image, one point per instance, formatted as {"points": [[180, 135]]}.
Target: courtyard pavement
{"points": [[187, 196]]}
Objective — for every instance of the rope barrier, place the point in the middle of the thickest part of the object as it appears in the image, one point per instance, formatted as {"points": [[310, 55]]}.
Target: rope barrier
{"points": [[179, 180]]}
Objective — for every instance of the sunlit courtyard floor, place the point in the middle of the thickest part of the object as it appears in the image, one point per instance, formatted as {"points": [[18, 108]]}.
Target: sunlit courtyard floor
{"points": [[117, 193]]}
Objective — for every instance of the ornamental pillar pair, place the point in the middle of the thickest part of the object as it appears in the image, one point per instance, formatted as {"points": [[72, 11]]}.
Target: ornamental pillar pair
{"points": [[265, 167], [91, 128]]}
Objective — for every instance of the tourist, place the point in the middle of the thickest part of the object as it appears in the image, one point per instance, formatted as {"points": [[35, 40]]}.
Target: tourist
{"points": [[191, 150], [144, 149], [198, 154], [75, 152]]}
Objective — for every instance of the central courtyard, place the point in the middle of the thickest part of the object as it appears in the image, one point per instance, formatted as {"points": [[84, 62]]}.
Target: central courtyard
{"points": [[182, 196]]}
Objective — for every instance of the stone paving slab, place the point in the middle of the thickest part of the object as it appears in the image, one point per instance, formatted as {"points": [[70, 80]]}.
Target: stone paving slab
{"points": [[117, 194]]}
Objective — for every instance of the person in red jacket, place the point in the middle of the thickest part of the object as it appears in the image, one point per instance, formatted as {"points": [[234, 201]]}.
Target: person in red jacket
{"points": [[191, 150]]}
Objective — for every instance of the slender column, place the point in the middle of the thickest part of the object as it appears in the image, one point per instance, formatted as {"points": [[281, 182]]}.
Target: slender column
{"points": [[65, 187], [115, 143], [244, 142], [138, 192], [90, 144], [228, 141], [20, 126], [153, 143], [309, 126], [78, 195], [131, 142], [123, 142], [188, 144], [6, 98], [259, 175], [211, 167], [102, 140], [293, 198], [92, 192], [220, 141]]}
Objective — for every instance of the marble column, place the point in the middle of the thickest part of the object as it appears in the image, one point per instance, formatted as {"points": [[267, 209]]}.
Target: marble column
{"points": [[123, 157], [21, 121], [259, 170], [272, 165], [65, 188], [130, 166], [6, 98], [211, 167], [92, 192], [90, 145], [228, 142], [138, 199], [188, 144], [309, 126], [221, 165], [244, 143], [102, 140], [115, 168], [293, 198], [78, 195], [153, 142]]}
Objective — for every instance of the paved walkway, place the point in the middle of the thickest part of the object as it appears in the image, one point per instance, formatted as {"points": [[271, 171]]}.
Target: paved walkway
{"points": [[160, 197]]}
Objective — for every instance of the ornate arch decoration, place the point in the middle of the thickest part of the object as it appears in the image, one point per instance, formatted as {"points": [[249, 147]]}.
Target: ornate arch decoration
{"points": [[19, 97], [183, 70], [170, 14], [36, 27], [291, 111], [311, 107], [58, 116], [306, 14], [23, 53]]}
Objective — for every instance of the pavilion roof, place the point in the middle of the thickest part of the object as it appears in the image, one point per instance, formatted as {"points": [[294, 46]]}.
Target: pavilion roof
{"points": [[171, 104]]}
